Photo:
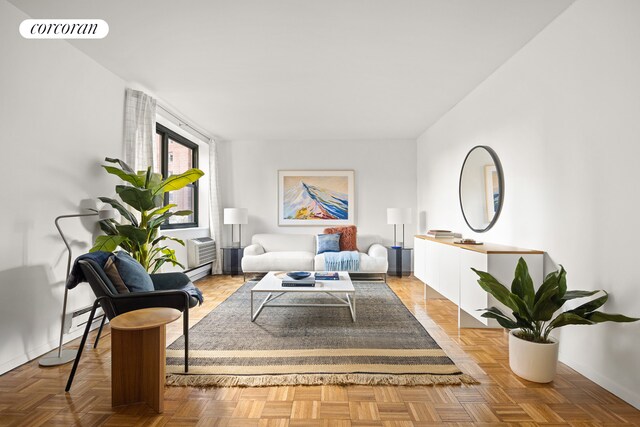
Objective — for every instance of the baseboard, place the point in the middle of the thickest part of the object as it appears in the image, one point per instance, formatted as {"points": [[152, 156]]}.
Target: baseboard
{"points": [[629, 396], [199, 273], [41, 350]]}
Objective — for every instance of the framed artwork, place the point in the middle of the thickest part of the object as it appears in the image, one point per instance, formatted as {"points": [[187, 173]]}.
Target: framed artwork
{"points": [[316, 197], [491, 191]]}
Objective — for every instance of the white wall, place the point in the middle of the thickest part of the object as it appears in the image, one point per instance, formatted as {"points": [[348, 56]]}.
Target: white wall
{"points": [[563, 116], [385, 176], [60, 115]]}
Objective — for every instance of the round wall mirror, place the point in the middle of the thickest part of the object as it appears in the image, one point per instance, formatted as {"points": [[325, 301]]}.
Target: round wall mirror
{"points": [[481, 188]]}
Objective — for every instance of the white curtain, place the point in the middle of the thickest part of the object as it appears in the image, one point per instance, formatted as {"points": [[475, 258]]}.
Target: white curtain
{"points": [[214, 208], [139, 130]]}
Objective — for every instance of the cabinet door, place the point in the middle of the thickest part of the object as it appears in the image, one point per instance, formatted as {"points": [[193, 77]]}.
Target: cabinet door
{"points": [[419, 259], [472, 296], [432, 265], [449, 272]]}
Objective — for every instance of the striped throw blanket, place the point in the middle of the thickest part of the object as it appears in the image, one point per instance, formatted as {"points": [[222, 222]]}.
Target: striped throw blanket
{"points": [[342, 261]]}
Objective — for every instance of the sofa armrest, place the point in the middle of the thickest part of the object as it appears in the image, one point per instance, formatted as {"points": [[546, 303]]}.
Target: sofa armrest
{"points": [[252, 250], [377, 251]]}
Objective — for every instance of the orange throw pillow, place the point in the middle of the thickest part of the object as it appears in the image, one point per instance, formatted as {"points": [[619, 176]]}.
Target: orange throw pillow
{"points": [[348, 234]]}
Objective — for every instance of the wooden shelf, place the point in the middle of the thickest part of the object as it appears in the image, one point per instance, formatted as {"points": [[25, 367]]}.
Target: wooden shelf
{"points": [[486, 248]]}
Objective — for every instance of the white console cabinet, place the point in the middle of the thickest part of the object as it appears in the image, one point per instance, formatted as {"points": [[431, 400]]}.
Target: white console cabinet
{"points": [[445, 267]]}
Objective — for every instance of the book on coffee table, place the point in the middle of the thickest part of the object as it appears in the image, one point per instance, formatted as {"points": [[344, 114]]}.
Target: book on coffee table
{"points": [[292, 283], [327, 275]]}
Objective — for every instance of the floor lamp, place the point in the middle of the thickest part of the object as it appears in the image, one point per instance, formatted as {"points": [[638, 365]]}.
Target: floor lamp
{"points": [[60, 357], [237, 216], [396, 216]]}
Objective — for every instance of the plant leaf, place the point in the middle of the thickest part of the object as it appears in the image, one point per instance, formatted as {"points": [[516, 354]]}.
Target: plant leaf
{"points": [[107, 243], [500, 292], [569, 295], [599, 317], [162, 210], [176, 182], [130, 177], [123, 211], [547, 304], [122, 164], [165, 237], [138, 235], [503, 319], [591, 305], [138, 198], [522, 284], [567, 318]]}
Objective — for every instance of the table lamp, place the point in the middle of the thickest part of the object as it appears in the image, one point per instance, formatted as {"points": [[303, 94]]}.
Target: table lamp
{"points": [[396, 216], [60, 357], [233, 216]]}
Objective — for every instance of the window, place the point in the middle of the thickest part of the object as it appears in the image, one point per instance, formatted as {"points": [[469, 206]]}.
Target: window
{"points": [[175, 154]]}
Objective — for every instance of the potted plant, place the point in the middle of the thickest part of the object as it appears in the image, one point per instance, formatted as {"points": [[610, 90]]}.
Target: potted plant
{"points": [[533, 352], [138, 235]]}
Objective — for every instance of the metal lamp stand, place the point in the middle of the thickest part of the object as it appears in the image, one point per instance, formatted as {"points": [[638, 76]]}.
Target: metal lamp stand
{"points": [[60, 356]]}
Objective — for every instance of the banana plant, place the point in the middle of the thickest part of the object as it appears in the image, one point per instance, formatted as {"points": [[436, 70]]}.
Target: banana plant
{"points": [[533, 311], [138, 233]]}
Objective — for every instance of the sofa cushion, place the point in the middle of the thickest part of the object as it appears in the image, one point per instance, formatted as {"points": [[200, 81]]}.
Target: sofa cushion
{"points": [[285, 242], [278, 261], [327, 243], [368, 264], [133, 274], [112, 273], [348, 236]]}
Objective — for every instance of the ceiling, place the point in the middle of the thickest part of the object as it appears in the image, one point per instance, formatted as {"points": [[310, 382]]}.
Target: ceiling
{"points": [[307, 69]]}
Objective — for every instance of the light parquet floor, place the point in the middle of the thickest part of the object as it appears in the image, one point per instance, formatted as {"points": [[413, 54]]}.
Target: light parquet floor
{"points": [[33, 396]]}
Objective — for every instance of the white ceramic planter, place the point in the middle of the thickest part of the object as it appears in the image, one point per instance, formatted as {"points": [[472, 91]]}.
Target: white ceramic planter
{"points": [[533, 361]]}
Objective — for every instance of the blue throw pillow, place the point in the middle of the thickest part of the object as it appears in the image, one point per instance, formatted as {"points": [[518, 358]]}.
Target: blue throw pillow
{"points": [[133, 274], [327, 243]]}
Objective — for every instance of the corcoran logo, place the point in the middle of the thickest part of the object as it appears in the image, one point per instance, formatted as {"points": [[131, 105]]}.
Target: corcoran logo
{"points": [[64, 29]]}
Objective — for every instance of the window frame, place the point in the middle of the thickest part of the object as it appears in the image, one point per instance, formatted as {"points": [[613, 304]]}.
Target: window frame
{"points": [[167, 134]]}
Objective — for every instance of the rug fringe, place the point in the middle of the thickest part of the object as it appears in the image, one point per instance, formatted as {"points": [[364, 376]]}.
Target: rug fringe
{"points": [[195, 380]]}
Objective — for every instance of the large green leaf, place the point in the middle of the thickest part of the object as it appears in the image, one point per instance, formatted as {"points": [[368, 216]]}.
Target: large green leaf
{"points": [[122, 164], [567, 318], [551, 281], [138, 235], [107, 243], [522, 284], [491, 285], [523, 309], [138, 198], [123, 211], [130, 177], [162, 210], [165, 237], [599, 317], [591, 305], [569, 295], [503, 319], [158, 221], [176, 182], [547, 304], [562, 281]]}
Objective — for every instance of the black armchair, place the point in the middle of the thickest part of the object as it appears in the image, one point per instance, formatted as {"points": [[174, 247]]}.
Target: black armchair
{"points": [[167, 294]]}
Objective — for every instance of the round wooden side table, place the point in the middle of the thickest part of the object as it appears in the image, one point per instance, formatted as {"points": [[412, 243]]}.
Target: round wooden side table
{"points": [[138, 356]]}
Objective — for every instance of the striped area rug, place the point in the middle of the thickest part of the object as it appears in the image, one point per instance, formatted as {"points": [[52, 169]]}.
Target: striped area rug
{"points": [[312, 345]]}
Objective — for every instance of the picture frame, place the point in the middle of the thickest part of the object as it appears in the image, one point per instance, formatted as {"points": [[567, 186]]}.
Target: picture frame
{"points": [[316, 197]]}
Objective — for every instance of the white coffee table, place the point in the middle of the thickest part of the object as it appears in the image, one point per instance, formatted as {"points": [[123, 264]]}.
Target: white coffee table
{"points": [[272, 286]]}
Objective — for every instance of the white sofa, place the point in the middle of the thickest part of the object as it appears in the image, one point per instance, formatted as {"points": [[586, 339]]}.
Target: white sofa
{"points": [[297, 252]]}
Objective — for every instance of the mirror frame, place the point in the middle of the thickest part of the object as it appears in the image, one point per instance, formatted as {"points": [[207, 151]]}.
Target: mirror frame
{"points": [[496, 161]]}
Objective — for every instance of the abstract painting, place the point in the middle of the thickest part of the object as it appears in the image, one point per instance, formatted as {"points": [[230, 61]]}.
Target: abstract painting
{"points": [[315, 197]]}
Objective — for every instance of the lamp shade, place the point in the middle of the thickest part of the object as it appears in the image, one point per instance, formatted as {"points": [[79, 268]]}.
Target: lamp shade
{"points": [[236, 216], [107, 212], [399, 215]]}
